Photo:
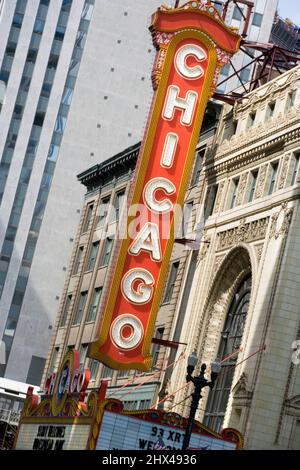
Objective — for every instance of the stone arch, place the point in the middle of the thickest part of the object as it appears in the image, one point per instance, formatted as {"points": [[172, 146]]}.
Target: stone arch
{"points": [[237, 264]]}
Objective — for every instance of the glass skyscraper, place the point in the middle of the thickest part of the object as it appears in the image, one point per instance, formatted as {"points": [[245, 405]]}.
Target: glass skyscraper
{"points": [[73, 87]]}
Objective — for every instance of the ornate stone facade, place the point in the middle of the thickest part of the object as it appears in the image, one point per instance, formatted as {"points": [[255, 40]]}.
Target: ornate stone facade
{"points": [[258, 236]]}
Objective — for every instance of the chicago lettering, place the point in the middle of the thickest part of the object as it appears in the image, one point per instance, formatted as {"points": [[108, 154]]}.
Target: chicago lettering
{"points": [[138, 284]]}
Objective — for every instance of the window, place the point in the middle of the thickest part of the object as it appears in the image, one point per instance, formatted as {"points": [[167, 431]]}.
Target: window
{"points": [[197, 167], [273, 178], [131, 405], [53, 153], [39, 119], [65, 311], [80, 39], [93, 256], [251, 119], [186, 222], [53, 360], [66, 5], [74, 68], [230, 343], [245, 75], [295, 163], [87, 11], [7, 63], [29, 250], [257, 19], [94, 367], [42, 12], [39, 26], [156, 347], [46, 90], [94, 304], [53, 61], [210, 199], [252, 187], [60, 124], [237, 13], [59, 33], [225, 70], [67, 96], [144, 404], [80, 308], [17, 20], [291, 99], [107, 372], [234, 190], [78, 260], [82, 355], [103, 211], [88, 218], [21, 6], [106, 252], [171, 282], [119, 202], [270, 110], [123, 373]]}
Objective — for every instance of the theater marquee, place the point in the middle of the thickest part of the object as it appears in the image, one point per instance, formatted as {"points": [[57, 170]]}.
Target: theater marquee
{"points": [[117, 429], [62, 417], [192, 43]]}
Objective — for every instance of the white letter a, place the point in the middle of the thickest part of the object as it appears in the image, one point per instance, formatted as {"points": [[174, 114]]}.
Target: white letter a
{"points": [[147, 240]]}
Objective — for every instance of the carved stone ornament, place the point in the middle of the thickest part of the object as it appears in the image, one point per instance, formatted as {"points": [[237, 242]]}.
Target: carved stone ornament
{"points": [[242, 188], [281, 221], [261, 181], [219, 199], [205, 248], [284, 171], [218, 262], [245, 232], [258, 251], [241, 394]]}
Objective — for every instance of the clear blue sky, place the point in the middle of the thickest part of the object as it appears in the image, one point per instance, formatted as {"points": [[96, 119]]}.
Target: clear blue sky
{"points": [[290, 9]]}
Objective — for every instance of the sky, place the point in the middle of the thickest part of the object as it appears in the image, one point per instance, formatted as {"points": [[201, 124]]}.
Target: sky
{"points": [[290, 9]]}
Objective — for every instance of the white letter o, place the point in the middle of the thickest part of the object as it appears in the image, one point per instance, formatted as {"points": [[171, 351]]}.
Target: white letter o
{"points": [[126, 332]]}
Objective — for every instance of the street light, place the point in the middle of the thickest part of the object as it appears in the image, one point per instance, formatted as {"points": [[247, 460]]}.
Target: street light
{"points": [[199, 383]]}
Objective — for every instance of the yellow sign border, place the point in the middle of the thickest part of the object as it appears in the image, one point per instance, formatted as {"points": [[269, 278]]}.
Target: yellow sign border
{"points": [[159, 98]]}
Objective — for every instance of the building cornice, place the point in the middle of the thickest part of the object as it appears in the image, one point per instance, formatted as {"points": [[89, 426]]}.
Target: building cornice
{"points": [[258, 152], [107, 170]]}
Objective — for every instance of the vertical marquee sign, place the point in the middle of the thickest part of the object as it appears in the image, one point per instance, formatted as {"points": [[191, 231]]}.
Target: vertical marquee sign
{"points": [[193, 43]]}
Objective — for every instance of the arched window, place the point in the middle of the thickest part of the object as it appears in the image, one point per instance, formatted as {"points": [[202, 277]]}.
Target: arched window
{"points": [[231, 338]]}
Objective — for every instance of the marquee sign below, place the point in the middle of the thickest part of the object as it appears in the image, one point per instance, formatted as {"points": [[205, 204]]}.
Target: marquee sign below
{"points": [[117, 429], [193, 44], [135, 434]]}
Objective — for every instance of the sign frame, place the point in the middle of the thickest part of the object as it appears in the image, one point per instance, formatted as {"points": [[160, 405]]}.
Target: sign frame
{"points": [[169, 28]]}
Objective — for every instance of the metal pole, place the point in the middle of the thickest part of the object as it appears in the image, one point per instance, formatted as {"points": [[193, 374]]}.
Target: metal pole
{"points": [[189, 429]]}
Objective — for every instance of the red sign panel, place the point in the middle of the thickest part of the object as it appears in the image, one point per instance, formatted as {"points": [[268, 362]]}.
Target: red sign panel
{"points": [[193, 43]]}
